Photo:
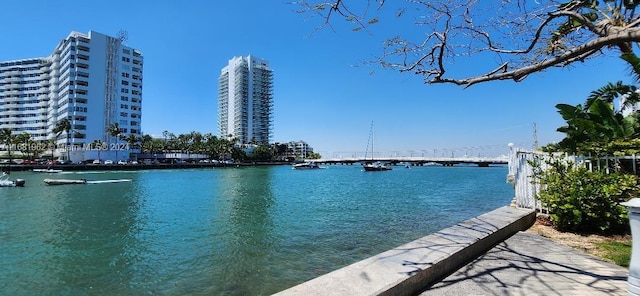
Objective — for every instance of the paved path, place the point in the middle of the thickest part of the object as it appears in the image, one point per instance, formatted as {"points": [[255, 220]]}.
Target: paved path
{"points": [[529, 264]]}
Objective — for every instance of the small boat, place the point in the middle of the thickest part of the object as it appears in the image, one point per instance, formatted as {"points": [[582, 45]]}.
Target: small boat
{"points": [[64, 181], [309, 165], [47, 171], [376, 166], [5, 182]]}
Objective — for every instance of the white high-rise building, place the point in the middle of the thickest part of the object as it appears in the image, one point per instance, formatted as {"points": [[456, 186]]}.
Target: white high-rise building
{"points": [[92, 80], [245, 100], [628, 110]]}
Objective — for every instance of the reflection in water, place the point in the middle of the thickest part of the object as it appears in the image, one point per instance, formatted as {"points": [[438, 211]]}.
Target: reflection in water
{"points": [[95, 230], [245, 197], [232, 231], [76, 238]]}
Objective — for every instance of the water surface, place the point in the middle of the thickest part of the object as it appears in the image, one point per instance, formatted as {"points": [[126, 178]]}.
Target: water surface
{"points": [[230, 231]]}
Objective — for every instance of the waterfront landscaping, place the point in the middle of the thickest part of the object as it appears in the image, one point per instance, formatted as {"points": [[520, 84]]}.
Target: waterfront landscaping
{"points": [[611, 248]]}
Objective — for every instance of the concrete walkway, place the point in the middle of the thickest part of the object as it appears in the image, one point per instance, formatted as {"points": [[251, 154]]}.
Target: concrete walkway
{"points": [[410, 268], [529, 264]]}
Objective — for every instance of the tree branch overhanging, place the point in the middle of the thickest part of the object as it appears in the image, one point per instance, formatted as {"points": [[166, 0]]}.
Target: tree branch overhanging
{"points": [[541, 34]]}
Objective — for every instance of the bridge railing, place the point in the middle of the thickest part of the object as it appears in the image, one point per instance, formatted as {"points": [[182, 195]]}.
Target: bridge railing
{"points": [[418, 159]]}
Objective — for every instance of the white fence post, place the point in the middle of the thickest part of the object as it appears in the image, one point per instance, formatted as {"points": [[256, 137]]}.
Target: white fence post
{"points": [[521, 176]]}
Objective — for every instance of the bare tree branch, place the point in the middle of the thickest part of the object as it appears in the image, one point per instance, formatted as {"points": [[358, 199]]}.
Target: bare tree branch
{"points": [[524, 37]]}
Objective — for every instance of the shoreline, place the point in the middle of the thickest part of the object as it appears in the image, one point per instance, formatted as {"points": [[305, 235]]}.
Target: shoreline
{"points": [[120, 167]]}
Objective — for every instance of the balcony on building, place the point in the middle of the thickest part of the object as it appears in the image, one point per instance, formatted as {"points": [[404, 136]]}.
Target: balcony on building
{"points": [[82, 49], [80, 86], [82, 41]]}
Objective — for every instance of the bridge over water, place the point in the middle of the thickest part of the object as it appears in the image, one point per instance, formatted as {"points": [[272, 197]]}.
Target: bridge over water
{"points": [[419, 160]]}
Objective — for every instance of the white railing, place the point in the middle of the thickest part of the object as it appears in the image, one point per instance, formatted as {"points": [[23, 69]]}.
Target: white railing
{"points": [[521, 177], [521, 172]]}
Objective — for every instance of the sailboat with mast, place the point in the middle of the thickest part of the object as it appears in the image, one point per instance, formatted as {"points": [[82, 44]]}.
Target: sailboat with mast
{"points": [[374, 166]]}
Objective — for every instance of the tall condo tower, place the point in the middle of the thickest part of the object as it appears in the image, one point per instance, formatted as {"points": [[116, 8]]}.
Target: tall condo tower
{"points": [[92, 80], [245, 100]]}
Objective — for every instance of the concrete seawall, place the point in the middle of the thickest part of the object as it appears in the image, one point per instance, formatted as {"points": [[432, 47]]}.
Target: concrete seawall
{"points": [[413, 267]]}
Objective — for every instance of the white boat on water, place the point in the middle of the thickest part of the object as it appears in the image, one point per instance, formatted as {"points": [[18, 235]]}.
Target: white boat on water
{"points": [[82, 181], [47, 171], [309, 165], [64, 181], [5, 182], [374, 166]]}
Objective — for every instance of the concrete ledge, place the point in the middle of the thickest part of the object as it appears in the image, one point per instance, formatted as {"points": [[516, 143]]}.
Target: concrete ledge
{"points": [[415, 266]]}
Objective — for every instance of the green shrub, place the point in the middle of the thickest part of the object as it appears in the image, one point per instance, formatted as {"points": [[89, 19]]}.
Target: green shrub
{"points": [[583, 201]]}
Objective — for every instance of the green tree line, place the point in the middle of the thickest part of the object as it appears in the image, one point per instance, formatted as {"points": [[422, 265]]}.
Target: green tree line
{"points": [[194, 142]]}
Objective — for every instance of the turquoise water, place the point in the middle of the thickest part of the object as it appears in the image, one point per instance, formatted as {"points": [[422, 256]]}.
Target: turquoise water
{"points": [[231, 231]]}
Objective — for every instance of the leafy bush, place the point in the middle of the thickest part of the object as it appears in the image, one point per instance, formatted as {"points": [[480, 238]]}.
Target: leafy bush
{"points": [[583, 201]]}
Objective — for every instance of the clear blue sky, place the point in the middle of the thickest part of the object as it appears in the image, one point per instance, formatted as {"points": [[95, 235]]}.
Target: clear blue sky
{"points": [[321, 97]]}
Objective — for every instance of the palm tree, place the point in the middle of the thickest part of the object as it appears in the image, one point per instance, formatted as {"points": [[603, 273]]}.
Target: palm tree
{"points": [[591, 129], [51, 143], [63, 125], [98, 145], [24, 139], [196, 142], [612, 91], [634, 64], [7, 138], [147, 144], [132, 141], [210, 145], [114, 131], [165, 135], [37, 148]]}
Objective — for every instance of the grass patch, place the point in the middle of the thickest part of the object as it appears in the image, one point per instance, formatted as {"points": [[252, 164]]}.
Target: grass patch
{"points": [[619, 252]]}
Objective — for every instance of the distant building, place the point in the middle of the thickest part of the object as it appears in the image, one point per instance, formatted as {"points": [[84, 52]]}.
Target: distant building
{"points": [[245, 100], [629, 109], [93, 80], [298, 149]]}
